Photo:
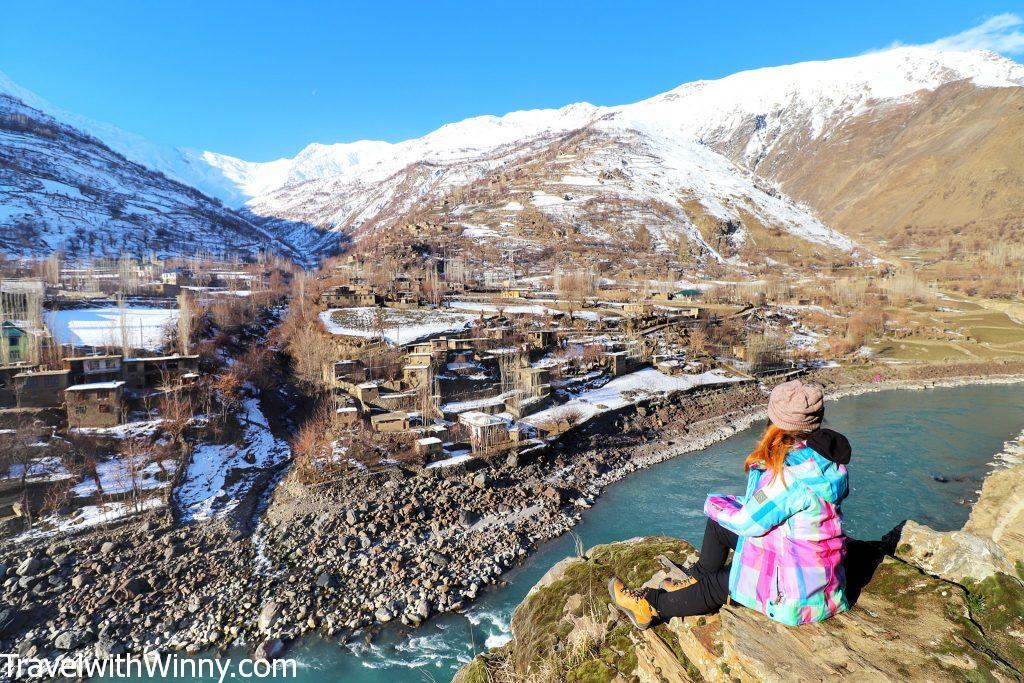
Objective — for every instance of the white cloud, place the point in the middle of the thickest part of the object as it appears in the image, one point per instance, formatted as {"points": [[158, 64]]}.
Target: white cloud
{"points": [[1001, 33]]}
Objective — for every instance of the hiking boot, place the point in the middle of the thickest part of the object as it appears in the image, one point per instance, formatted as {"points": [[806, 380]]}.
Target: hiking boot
{"points": [[672, 585], [631, 603]]}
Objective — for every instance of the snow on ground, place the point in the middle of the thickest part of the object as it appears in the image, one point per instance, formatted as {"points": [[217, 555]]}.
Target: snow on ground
{"points": [[205, 493], [128, 430], [523, 309], [146, 327], [116, 477], [89, 516], [479, 232], [401, 326], [48, 468], [448, 462], [580, 180], [624, 390], [511, 309], [474, 404]]}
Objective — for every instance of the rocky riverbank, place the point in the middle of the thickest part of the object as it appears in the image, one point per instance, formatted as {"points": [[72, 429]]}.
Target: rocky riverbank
{"points": [[345, 559]]}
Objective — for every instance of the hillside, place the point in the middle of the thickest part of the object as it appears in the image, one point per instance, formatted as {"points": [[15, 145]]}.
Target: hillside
{"points": [[818, 155], [63, 189]]}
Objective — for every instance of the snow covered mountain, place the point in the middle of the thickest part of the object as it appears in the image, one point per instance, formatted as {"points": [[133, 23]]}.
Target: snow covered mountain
{"points": [[790, 154], [720, 153], [62, 188], [747, 111]]}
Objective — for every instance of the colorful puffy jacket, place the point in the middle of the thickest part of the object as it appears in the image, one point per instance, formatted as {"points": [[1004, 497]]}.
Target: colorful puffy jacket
{"points": [[789, 557]]}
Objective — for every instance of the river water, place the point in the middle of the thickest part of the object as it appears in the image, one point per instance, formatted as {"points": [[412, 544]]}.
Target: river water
{"points": [[920, 455]]}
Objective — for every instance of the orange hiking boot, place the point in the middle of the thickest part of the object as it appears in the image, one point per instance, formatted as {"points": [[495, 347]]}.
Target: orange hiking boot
{"points": [[672, 585], [631, 603]]}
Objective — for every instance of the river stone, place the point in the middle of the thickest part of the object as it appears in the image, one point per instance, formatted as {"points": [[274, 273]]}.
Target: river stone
{"points": [[269, 649], [269, 615], [107, 548], [106, 647], [10, 620], [951, 555], [70, 640], [28, 567], [383, 615]]}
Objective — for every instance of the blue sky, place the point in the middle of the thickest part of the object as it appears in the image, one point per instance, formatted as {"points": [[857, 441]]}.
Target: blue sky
{"points": [[260, 80]]}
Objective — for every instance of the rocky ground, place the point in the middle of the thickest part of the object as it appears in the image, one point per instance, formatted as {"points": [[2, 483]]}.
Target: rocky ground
{"points": [[926, 606], [339, 558]]}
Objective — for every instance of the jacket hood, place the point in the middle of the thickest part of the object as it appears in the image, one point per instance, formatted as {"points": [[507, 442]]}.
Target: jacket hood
{"points": [[825, 478], [830, 445]]}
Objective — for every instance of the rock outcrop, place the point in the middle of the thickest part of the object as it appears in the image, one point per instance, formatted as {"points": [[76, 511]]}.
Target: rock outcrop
{"points": [[926, 605], [999, 513]]}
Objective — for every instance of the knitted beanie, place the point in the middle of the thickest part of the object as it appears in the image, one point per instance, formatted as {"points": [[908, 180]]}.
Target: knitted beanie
{"points": [[796, 407]]}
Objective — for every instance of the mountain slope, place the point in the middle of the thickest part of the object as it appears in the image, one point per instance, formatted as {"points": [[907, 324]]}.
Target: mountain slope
{"points": [[63, 189], [708, 161]]}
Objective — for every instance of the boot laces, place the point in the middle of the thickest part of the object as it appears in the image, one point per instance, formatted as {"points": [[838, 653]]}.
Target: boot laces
{"points": [[634, 593]]}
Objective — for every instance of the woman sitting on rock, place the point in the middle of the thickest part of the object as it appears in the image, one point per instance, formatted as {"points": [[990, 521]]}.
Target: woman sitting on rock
{"points": [[787, 531]]}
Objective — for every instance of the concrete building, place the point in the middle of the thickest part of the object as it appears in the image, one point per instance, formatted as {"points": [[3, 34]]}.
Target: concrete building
{"points": [[14, 338], [86, 369], [99, 404]]}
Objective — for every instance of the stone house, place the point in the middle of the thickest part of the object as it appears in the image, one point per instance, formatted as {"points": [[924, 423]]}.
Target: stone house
{"points": [[428, 448], [486, 432], [397, 421], [621, 362], [40, 389], [367, 392], [346, 296], [535, 381], [99, 404], [345, 374], [347, 416], [153, 373]]}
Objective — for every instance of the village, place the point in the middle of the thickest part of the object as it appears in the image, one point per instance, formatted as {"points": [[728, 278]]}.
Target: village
{"points": [[428, 362], [96, 360]]}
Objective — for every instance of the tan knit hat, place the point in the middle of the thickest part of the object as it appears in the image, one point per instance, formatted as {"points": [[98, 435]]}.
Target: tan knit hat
{"points": [[796, 407]]}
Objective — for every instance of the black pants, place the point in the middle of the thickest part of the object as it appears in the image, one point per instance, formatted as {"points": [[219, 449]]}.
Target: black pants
{"points": [[712, 574]]}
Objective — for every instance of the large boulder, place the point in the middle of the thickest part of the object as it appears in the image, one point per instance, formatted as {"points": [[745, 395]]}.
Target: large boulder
{"points": [[999, 512], [270, 614], [906, 625], [952, 555]]}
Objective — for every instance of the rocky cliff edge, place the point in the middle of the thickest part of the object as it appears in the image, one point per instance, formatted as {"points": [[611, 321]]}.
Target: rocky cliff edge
{"points": [[927, 605]]}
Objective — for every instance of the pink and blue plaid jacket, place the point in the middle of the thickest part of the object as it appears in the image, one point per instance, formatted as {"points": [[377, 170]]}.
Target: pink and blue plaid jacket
{"points": [[789, 558]]}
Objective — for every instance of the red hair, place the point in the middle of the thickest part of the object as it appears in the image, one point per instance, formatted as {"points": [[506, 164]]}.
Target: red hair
{"points": [[771, 451]]}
